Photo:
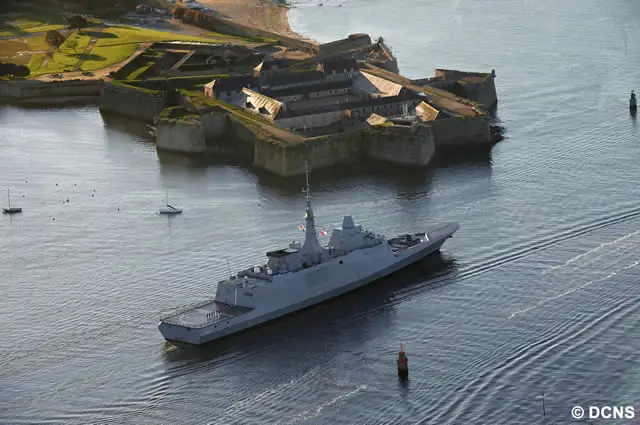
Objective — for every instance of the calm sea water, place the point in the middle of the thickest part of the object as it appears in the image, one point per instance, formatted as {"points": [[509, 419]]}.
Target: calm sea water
{"points": [[537, 292]]}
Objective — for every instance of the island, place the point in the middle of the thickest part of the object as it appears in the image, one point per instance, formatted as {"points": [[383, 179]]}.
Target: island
{"points": [[221, 86]]}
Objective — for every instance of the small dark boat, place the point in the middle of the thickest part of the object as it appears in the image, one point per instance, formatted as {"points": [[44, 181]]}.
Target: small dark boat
{"points": [[632, 101], [11, 210]]}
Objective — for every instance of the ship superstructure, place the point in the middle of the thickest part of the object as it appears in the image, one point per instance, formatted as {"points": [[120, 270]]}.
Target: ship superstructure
{"points": [[300, 276]]}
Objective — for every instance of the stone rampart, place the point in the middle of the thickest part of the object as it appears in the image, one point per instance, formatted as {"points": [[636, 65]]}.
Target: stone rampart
{"points": [[352, 42], [272, 157], [199, 127], [326, 151], [483, 92], [212, 131], [323, 151], [396, 144], [459, 131], [214, 23], [181, 135], [132, 101], [35, 89], [406, 145], [133, 63]]}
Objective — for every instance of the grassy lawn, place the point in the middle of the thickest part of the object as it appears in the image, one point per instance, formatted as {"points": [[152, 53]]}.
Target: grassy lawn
{"points": [[113, 44], [103, 56], [24, 24], [121, 35], [64, 59]]}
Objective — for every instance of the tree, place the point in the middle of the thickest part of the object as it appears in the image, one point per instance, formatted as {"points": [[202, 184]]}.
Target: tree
{"points": [[73, 44], [178, 12], [77, 22], [20, 71], [13, 69], [54, 38], [189, 16]]}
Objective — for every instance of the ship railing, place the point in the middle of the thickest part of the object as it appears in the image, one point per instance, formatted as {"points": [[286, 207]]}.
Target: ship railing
{"points": [[184, 309]]}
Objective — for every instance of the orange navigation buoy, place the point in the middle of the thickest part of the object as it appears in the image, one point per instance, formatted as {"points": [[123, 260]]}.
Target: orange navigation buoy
{"points": [[403, 363]]}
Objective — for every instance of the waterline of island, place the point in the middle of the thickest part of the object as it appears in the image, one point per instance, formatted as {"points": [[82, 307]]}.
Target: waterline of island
{"points": [[275, 99]]}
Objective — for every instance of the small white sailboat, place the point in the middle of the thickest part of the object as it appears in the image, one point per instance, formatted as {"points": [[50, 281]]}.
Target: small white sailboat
{"points": [[169, 210], [11, 210]]}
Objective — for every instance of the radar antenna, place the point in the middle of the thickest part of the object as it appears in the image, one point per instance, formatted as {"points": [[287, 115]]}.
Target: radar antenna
{"points": [[311, 250]]}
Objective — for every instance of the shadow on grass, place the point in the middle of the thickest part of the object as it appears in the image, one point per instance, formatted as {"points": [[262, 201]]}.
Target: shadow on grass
{"points": [[90, 57], [13, 30], [99, 34]]}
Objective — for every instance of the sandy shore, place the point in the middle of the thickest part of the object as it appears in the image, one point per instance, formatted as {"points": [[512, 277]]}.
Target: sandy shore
{"points": [[264, 14]]}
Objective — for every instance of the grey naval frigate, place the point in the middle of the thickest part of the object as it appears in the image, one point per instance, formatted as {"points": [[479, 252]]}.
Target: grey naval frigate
{"points": [[300, 276]]}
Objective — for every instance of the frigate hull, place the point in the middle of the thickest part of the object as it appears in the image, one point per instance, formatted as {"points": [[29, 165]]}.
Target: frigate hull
{"points": [[341, 275]]}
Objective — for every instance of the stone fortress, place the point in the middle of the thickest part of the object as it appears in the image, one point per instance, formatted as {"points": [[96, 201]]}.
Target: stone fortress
{"points": [[345, 101], [279, 103]]}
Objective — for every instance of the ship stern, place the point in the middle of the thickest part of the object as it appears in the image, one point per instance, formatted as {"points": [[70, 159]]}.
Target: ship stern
{"points": [[176, 333]]}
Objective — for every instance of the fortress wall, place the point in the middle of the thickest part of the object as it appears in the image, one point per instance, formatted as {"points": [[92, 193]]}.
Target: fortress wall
{"points": [[184, 136], [270, 157], [328, 150], [213, 23], [391, 64], [214, 124], [460, 131], [448, 85], [135, 62], [354, 41], [33, 89], [388, 65], [323, 151], [213, 132], [454, 74], [240, 137], [484, 93], [401, 145], [321, 119], [132, 101]]}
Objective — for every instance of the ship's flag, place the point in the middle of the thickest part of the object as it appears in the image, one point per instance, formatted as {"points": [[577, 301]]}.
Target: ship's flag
{"points": [[301, 227], [323, 232]]}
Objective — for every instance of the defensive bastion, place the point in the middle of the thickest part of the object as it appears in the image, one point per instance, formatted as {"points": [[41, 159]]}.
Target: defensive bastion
{"points": [[275, 118], [353, 104]]}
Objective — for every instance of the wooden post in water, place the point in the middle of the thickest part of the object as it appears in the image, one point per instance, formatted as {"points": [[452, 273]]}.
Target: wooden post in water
{"points": [[403, 364]]}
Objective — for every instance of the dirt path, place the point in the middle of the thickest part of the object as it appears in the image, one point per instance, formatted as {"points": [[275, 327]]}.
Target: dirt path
{"points": [[86, 52], [47, 58]]}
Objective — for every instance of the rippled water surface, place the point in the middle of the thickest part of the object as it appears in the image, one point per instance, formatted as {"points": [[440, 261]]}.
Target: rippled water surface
{"points": [[537, 292]]}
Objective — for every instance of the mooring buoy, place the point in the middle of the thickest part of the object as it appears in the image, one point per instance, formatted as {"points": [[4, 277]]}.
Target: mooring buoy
{"points": [[403, 363]]}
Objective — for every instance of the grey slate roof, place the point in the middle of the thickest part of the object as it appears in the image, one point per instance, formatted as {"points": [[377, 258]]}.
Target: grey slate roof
{"points": [[266, 64], [404, 96], [320, 86], [234, 83], [338, 65], [294, 78]]}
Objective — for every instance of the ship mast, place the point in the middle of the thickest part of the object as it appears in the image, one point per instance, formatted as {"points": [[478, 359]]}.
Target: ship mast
{"points": [[307, 189], [311, 250]]}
